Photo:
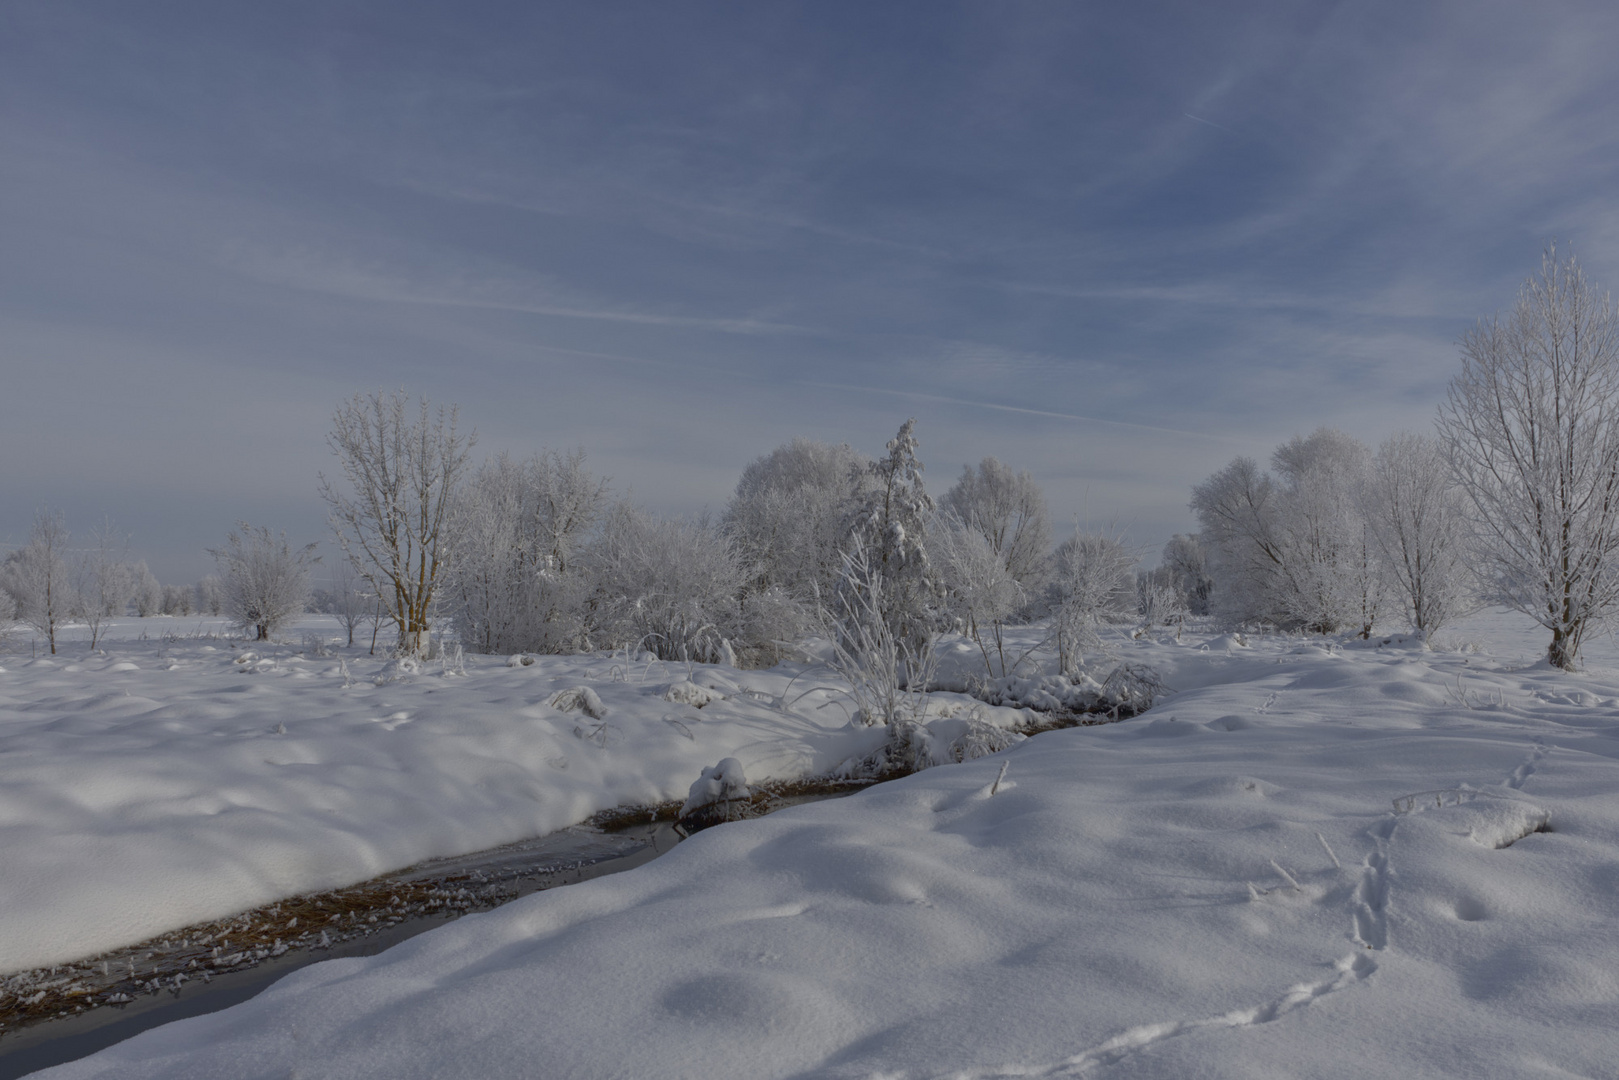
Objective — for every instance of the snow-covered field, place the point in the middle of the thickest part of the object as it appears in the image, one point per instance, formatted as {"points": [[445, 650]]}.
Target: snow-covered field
{"points": [[1311, 860]]}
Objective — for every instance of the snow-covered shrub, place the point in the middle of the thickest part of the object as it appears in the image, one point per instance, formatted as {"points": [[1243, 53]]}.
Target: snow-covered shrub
{"points": [[517, 583], [888, 674], [1132, 688], [1043, 693], [399, 669], [980, 740], [579, 699], [315, 644], [1159, 600], [1095, 579], [980, 591], [674, 587], [265, 583], [721, 783], [689, 693]]}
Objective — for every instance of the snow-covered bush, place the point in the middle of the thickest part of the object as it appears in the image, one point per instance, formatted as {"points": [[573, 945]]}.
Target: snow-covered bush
{"points": [[1095, 584], [674, 587], [721, 783], [1159, 600], [579, 699], [888, 674], [517, 584], [265, 582], [37, 577]]}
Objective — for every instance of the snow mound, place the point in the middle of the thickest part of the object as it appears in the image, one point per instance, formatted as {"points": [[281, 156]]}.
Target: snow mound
{"points": [[689, 693], [579, 699], [719, 783], [399, 669], [1497, 823]]}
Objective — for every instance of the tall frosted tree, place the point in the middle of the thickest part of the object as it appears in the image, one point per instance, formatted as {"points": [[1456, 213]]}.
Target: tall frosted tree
{"points": [[1293, 549], [39, 579], [890, 525], [1531, 428], [517, 584], [1008, 510], [402, 468], [104, 579], [789, 513], [1419, 523]]}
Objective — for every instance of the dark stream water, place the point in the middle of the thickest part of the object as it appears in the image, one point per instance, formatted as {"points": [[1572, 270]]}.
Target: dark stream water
{"points": [[496, 876]]}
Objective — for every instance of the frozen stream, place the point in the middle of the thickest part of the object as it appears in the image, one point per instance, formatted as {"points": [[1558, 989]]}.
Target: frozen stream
{"points": [[191, 973]]}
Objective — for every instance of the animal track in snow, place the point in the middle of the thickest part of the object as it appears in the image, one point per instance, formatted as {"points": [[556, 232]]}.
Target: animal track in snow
{"points": [[1523, 772], [1346, 972]]}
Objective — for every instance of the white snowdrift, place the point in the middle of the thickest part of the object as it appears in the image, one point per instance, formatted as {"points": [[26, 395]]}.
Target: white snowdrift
{"points": [[163, 783], [1225, 887]]}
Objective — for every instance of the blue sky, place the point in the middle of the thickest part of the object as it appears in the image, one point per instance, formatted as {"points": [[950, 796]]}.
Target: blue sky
{"points": [[1113, 244]]}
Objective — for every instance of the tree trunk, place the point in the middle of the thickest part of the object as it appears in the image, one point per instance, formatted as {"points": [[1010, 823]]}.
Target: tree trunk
{"points": [[1560, 654]]}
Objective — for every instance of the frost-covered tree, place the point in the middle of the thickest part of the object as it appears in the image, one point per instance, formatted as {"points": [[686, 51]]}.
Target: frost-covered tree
{"points": [[1094, 584], [402, 472], [1188, 567], [1237, 509], [790, 511], [1333, 577], [1531, 427], [890, 524], [672, 587], [980, 589], [517, 584], [265, 581], [347, 599], [38, 579], [148, 591], [1159, 598], [1293, 550], [178, 600], [210, 595], [103, 579], [1419, 522], [1009, 510]]}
